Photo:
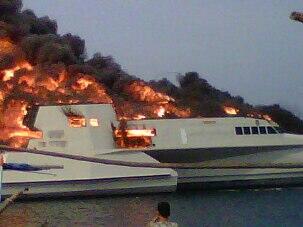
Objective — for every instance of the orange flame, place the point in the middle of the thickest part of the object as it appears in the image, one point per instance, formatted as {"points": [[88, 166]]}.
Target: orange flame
{"points": [[161, 111], [26, 133], [139, 117], [230, 110], [13, 128], [142, 92], [267, 117], [6, 46], [9, 73], [136, 133], [151, 103], [82, 84]]}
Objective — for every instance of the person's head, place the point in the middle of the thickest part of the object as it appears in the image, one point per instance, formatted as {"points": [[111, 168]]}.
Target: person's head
{"points": [[164, 209]]}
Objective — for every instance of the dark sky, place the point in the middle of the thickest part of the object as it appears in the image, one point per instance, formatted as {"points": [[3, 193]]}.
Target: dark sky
{"points": [[249, 48]]}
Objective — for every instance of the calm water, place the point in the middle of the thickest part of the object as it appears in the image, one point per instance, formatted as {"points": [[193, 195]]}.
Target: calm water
{"points": [[271, 207]]}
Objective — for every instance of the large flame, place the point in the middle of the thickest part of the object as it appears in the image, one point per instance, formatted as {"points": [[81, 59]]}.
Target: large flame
{"points": [[23, 85]]}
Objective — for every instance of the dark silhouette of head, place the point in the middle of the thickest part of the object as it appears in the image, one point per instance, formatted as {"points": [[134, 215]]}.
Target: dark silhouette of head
{"points": [[164, 209]]}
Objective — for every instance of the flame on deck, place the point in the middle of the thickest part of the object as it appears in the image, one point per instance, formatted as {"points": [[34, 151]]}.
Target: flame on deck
{"points": [[76, 121], [139, 117], [267, 117], [230, 110], [137, 136], [12, 129], [135, 133]]}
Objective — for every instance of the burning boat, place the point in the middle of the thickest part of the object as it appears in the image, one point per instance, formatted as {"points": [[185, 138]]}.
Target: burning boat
{"points": [[55, 107], [94, 130], [53, 99]]}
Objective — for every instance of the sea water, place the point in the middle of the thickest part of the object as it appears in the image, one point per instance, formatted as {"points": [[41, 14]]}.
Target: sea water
{"points": [[257, 207]]}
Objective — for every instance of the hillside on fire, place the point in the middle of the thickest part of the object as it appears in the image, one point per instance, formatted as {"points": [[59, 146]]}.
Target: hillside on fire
{"points": [[38, 66]]}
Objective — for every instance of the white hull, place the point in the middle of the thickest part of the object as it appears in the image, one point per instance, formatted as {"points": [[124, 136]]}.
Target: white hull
{"points": [[83, 178], [140, 180]]}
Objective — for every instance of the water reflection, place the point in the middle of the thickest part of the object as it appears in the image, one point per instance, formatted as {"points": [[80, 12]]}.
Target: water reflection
{"points": [[214, 208]]}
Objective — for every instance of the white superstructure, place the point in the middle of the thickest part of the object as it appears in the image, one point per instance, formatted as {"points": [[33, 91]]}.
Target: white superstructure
{"points": [[170, 134]]}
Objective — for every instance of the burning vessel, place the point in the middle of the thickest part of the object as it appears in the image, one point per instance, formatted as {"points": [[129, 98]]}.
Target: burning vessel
{"points": [[58, 108], [93, 130], [53, 99], [63, 108]]}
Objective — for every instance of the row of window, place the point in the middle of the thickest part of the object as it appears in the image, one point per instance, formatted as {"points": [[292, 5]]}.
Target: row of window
{"points": [[257, 130]]}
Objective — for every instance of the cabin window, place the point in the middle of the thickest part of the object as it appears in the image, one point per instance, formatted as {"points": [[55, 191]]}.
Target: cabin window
{"points": [[262, 130], [270, 130], [76, 121], [254, 130], [94, 122], [246, 130], [239, 131]]}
